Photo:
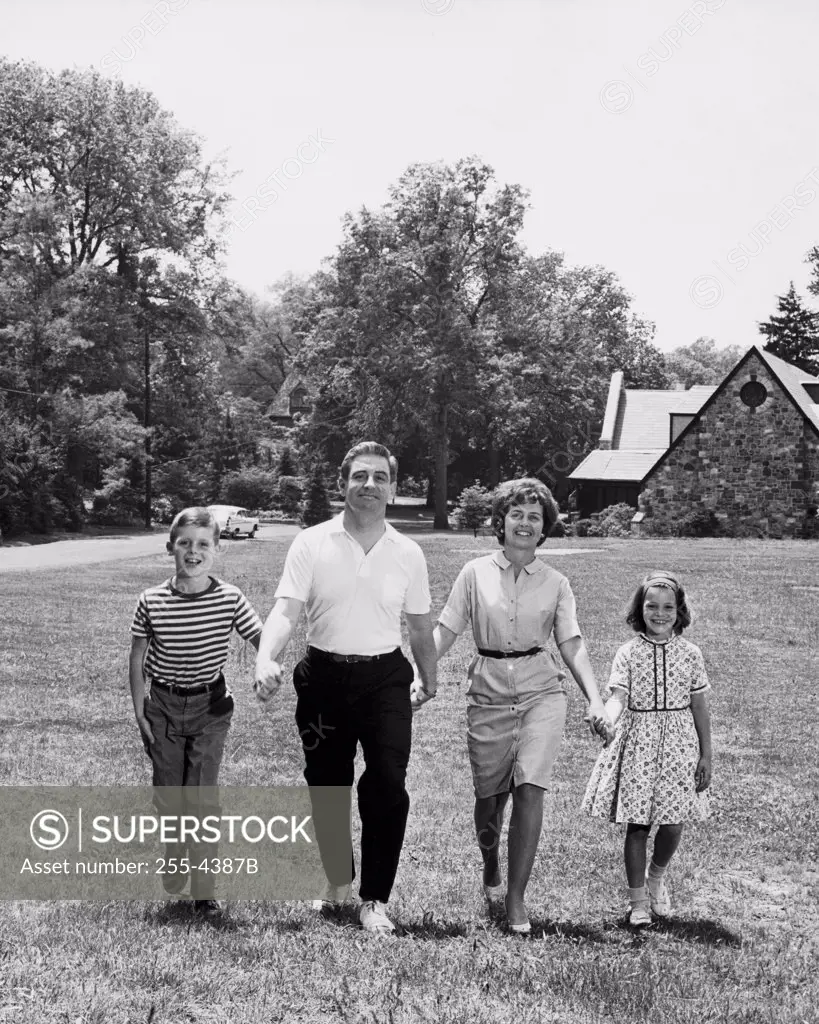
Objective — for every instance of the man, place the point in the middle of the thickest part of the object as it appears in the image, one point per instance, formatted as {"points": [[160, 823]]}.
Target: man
{"points": [[354, 575]]}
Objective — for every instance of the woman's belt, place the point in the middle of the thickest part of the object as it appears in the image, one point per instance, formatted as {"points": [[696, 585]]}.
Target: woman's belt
{"points": [[508, 654]]}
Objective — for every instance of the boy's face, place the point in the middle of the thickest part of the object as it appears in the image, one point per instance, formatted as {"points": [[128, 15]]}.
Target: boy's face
{"points": [[194, 551]]}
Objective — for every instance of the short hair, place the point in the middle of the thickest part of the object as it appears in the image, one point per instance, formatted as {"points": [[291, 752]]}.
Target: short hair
{"points": [[634, 612], [368, 448], [521, 492], [195, 517]]}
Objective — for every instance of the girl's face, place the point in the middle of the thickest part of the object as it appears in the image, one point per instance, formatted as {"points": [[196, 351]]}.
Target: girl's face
{"points": [[659, 612], [523, 527]]}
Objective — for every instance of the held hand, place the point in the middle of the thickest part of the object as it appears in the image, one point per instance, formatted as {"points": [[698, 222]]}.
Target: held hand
{"points": [[268, 680], [702, 775], [600, 725], [418, 695]]}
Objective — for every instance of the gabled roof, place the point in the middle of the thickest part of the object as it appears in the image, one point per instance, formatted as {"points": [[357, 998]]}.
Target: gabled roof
{"points": [[790, 377], [793, 380], [280, 406], [643, 417], [623, 466], [637, 423]]}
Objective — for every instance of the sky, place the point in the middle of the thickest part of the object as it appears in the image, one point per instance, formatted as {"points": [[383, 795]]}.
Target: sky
{"points": [[670, 142]]}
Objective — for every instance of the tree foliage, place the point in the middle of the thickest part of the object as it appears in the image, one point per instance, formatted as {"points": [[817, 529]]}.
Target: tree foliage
{"points": [[474, 505], [793, 333], [701, 362]]}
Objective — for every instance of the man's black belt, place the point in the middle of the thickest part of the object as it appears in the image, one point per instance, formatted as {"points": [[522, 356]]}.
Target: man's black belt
{"points": [[350, 658], [508, 654], [185, 690]]}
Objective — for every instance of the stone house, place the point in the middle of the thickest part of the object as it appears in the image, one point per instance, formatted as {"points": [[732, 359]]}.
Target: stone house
{"points": [[744, 454], [293, 397]]}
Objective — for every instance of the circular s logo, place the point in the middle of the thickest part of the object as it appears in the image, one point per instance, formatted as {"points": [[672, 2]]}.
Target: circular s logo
{"points": [[48, 830], [616, 97], [706, 291]]}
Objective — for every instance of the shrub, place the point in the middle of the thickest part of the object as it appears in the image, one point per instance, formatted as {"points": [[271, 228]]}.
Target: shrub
{"points": [[287, 465], [581, 527], [289, 494], [473, 506], [615, 521], [249, 488], [162, 510], [559, 529], [412, 488], [316, 506], [117, 504], [701, 522]]}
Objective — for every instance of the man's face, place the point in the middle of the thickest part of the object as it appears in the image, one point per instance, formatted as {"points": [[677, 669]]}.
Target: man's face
{"points": [[368, 485]]}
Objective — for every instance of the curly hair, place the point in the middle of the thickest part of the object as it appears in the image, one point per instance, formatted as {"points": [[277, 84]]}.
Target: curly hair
{"points": [[634, 612], [521, 492], [195, 517]]}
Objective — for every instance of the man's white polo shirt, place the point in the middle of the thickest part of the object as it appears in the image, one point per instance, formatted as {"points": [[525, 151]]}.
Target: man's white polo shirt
{"points": [[354, 600]]}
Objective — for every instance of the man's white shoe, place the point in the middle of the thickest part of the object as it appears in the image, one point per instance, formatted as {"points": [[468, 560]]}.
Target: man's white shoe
{"points": [[373, 918], [332, 896]]}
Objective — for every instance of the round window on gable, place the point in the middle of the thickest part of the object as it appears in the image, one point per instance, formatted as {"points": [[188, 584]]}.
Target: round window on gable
{"points": [[753, 394]]}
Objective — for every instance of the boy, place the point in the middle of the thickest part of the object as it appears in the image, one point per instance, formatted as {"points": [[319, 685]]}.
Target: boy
{"points": [[180, 636]]}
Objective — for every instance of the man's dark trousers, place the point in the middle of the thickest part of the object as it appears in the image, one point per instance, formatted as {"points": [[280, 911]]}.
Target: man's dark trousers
{"points": [[342, 704]]}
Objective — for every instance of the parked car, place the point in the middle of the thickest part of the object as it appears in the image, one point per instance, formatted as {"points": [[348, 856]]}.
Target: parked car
{"points": [[234, 521]]}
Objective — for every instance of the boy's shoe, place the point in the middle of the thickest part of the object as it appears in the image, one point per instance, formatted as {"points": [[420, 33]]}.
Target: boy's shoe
{"points": [[208, 908], [659, 896], [640, 915], [373, 918], [331, 898]]}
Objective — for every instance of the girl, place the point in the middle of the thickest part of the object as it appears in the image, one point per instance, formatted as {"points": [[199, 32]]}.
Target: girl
{"points": [[656, 765]]}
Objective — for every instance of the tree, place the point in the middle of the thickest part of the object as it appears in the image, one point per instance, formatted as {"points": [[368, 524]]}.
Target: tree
{"points": [[106, 171], [402, 338], [701, 362], [316, 506], [562, 332], [474, 505], [109, 223], [286, 465], [794, 334]]}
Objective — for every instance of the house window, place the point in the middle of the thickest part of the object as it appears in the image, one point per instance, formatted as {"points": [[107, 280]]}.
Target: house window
{"points": [[753, 394], [298, 401]]}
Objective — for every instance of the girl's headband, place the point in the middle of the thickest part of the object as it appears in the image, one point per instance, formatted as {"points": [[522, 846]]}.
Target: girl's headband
{"points": [[661, 579]]}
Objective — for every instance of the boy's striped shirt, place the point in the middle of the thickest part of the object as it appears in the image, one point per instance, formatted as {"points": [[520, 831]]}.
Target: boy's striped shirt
{"points": [[189, 634]]}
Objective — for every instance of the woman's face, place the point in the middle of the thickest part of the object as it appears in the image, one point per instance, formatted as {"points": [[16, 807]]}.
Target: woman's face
{"points": [[523, 527]]}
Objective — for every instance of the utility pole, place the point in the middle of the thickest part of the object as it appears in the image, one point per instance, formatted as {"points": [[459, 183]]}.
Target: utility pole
{"points": [[147, 408]]}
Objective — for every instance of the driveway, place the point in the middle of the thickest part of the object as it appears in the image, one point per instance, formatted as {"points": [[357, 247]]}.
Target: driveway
{"points": [[65, 553]]}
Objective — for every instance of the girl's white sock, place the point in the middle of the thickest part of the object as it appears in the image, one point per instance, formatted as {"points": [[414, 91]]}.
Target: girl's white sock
{"points": [[638, 895]]}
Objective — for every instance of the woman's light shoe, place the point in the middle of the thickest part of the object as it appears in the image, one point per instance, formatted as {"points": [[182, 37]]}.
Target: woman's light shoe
{"points": [[517, 928], [331, 898], [494, 893]]}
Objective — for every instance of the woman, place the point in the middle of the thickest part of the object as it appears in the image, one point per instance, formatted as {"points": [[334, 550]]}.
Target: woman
{"points": [[516, 709]]}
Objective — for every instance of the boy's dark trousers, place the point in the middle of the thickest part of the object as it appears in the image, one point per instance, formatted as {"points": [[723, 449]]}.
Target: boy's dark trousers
{"points": [[189, 740], [339, 706]]}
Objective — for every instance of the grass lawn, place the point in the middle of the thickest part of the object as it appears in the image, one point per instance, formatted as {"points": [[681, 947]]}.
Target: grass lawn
{"points": [[742, 944]]}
